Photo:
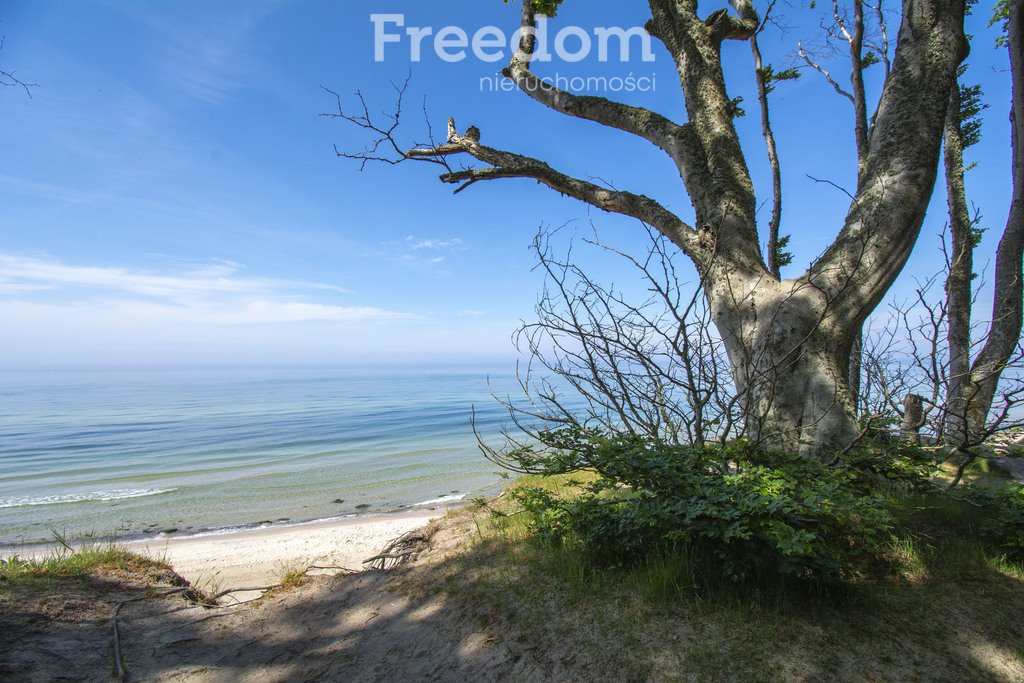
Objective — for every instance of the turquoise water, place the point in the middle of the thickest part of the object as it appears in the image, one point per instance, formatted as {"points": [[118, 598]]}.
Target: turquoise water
{"points": [[130, 454]]}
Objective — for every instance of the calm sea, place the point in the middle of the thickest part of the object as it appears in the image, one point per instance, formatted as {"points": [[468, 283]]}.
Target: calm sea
{"points": [[129, 454]]}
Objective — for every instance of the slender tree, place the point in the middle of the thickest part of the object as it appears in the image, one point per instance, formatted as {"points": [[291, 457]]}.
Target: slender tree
{"points": [[973, 386], [865, 51], [961, 132], [766, 77], [1008, 302]]}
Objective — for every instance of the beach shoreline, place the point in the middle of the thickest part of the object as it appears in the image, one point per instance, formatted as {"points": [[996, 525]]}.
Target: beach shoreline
{"points": [[260, 556]]}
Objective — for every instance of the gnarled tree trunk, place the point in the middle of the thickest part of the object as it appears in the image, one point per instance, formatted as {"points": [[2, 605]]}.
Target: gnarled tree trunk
{"points": [[791, 368]]}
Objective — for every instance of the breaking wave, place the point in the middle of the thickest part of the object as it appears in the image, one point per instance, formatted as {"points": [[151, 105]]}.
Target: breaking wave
{"points": [[81, 497]]}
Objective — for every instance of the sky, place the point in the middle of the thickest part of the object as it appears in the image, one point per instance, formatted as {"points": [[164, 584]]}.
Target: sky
{"points": [[171, 196]]}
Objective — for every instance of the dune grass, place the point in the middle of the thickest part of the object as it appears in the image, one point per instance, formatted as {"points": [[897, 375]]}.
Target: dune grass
{"points": [[75, 563], [293, 578]]}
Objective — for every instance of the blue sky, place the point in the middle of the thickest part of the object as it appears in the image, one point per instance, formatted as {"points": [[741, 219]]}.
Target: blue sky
{"points": [[171, 196]]}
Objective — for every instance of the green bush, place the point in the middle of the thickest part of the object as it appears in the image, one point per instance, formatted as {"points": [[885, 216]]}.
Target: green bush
{"points": [[1004, 528], [742, 510], [1008, 526], [885, 462]]}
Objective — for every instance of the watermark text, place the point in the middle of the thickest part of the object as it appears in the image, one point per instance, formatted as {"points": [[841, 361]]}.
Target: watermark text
{"points": [[491, 44]]}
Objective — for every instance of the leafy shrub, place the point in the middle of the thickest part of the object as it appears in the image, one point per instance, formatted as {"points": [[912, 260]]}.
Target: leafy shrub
{"points": [[1004, 529], [1008, 526], [742, 509], [892, 462]]}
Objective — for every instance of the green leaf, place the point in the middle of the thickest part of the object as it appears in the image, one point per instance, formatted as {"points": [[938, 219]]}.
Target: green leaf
{"points": [[545, 7], [868, 60], [735, 110]]}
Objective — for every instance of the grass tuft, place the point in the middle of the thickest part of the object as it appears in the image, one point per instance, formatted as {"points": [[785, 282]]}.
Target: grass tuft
{"points": [[75, 564], [293, 578]]}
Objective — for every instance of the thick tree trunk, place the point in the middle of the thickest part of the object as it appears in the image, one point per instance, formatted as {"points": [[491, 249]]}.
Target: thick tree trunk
{"points": [[806, 407], [790, 362]]}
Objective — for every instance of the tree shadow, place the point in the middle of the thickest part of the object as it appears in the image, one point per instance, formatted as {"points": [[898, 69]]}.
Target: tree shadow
{"points": [[341, 628], [477, 608]]}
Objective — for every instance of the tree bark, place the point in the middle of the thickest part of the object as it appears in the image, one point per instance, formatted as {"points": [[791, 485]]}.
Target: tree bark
{"points": [[791, 368], [961, 273], [856, 366], [913, 419]]}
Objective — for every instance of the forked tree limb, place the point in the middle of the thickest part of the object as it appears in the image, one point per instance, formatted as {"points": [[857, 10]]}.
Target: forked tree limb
{"points": [[899, 169]]}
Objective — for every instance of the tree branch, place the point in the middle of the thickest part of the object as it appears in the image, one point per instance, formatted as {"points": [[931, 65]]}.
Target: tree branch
{"points": [[899, 170], [809, 60], [644, 123], [504, 164], [9, 79]]}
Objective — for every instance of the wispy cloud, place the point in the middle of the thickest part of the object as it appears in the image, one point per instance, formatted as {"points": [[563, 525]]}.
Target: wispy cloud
{"points": [[208, 61], [209, 278], [454, 244], [211, 293], [428, 252]]}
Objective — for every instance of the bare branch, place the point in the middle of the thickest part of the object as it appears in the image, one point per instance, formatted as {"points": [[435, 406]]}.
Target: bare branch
{"points": [[829, 182], [809, 60], [509, 165], [9, 78]]}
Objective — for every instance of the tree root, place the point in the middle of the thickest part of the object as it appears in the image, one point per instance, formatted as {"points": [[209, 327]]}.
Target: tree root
{"points": [[398, 551]]}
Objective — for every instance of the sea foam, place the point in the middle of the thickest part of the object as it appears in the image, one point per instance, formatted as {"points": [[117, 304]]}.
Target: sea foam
{"points": [[442, 499], [81, 497]]}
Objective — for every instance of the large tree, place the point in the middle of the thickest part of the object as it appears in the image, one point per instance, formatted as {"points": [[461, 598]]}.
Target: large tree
{"points": [[788, 340]]}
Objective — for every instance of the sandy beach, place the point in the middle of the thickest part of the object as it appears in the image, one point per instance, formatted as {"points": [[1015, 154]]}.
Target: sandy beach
{"points": [[260, 557]]}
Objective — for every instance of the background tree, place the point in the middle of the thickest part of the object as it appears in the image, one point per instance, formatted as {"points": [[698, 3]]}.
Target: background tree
{"points": [[973, 386]]}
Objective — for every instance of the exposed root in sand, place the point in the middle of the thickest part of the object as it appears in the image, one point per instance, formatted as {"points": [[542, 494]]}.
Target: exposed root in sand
{"points": [[398, 551]]}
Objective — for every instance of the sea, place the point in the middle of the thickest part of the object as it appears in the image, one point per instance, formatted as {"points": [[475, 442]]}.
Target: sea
{"points": [[169, 453]]}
